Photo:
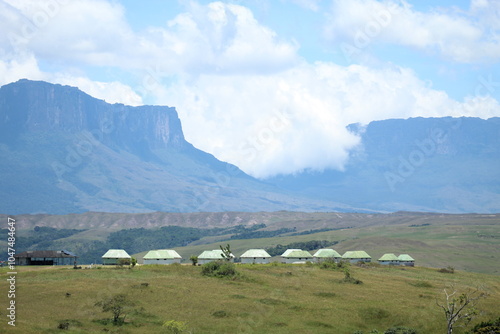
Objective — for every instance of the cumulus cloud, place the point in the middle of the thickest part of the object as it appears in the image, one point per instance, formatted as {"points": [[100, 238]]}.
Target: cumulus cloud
{"points": [[27, 67], [296, 120], [464, 37]]}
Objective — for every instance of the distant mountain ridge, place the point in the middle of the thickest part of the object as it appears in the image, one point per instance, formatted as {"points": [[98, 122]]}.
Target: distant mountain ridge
{"points": [[417, 164], [63, 151]]}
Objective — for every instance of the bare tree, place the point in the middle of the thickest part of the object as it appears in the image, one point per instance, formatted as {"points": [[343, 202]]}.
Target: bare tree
{"points": [[460, 307]]}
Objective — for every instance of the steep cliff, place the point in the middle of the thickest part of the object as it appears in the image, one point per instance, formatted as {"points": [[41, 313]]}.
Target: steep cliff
{"points": [[63, 151]]}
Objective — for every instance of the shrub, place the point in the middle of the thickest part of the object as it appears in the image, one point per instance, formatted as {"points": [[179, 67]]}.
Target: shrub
{"points": [[175, 327], [220, 314], [194, 259], [447, 270], [319, 324], [487, 327], [123, 262], [373, 313], [328, 264], [118, 305], [348, 278], [219, 269], [400, 330], [421, 284]]}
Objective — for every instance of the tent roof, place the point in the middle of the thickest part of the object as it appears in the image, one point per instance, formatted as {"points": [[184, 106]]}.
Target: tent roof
{"points": [[215, 254], [327, 252], [162, 254], [298, 254], [405, 257], [255, 253], [356, 255], [45, 254], [288, 251], [389, 257], [116, 254]]}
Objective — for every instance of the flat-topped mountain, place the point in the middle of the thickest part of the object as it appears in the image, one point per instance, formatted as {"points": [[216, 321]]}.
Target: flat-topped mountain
{"points": [[63, 151]]}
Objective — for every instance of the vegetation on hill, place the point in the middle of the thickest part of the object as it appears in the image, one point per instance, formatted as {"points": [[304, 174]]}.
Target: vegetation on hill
{"points": [[304, 245]]}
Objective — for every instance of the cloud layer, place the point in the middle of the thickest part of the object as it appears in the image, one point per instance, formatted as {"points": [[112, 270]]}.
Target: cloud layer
{"points": [[461, 36], [242, 92]]}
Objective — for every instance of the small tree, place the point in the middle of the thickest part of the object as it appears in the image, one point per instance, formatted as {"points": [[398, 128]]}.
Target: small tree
{"points": [[133, 262], [117, 305], [460, 307], [123, 262], [226, 252], [194, 259]]}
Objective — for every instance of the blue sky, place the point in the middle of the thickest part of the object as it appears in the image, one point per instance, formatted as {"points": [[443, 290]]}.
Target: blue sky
{"points": [[267, 85]]}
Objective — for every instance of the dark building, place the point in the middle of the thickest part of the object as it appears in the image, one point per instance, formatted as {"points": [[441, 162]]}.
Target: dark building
{"points": [[45, 258]]}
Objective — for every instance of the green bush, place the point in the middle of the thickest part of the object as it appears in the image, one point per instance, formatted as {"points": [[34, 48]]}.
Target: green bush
{"points": [[219, 269], [487, 327], [328, 264], [220, 314], [401, 330], [175, 327], [373, 313], [447, 270]]}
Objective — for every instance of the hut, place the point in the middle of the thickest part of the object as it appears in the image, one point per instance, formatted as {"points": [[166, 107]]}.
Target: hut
{"points": [[296, 256], [162, 256], [255, 256], [213, 255], [406, 260], [389, 259], [356, 256], [45, 258], [115, 256], [327, 253]]}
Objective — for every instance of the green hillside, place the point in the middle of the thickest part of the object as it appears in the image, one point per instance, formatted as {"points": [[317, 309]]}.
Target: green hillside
{"points": [[264, 299]]}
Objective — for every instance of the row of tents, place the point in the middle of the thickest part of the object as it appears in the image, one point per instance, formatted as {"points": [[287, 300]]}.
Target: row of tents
{"points": [[260, 256]]}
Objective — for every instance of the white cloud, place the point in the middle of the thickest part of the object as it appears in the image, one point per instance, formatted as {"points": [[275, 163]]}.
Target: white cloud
{"points": [[464, 37], [296, 120], [26, 67], [216, 37]]}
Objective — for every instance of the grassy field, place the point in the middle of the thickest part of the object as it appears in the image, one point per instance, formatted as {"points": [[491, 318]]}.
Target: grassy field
{"points": [[264, 299]]}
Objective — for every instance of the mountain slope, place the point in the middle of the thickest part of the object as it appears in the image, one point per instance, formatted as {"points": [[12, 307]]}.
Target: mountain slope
{"points": [[419, 164], [64, 151]]}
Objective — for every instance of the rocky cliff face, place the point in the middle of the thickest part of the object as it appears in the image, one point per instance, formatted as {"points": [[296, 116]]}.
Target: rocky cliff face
{"points": [[42, 107], [63, 151]]}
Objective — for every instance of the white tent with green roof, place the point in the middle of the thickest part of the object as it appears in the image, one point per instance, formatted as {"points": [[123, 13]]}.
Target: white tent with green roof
{"points": [[255, 256], [406, 260], [213, 255], [356, 256], [389, 259], [162, 256], [327, 253], [296, 256], [114, 256]]}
